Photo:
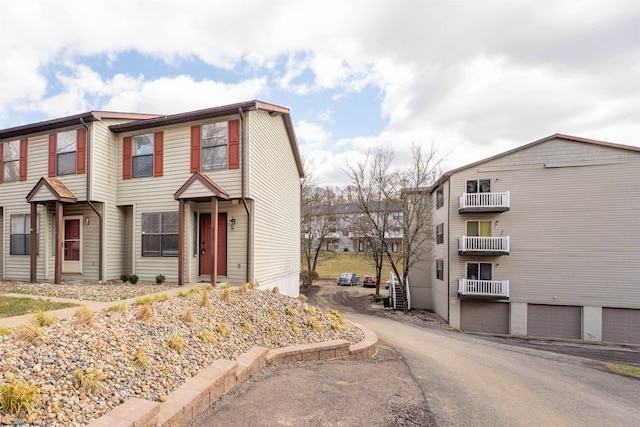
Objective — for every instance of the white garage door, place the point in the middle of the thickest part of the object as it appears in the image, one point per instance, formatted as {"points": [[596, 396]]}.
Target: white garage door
{"points": [[480, 316], [554, 321], [621, 325]]}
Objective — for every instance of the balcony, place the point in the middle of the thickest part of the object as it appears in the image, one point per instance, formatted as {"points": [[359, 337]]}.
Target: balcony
{"points": [[483, 288], [474, 245], [484, 202]]}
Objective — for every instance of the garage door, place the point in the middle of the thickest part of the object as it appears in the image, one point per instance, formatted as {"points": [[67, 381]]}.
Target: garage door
{"points": [[555, 321], [621, 325], [490, 317]]}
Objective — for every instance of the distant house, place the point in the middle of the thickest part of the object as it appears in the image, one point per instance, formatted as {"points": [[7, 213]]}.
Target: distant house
{"points": [[209, 195], [542, 241]]}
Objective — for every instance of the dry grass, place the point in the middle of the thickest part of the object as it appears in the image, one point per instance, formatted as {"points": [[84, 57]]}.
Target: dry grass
{"points": [[246, 326], [243, 289], [84, 316], [145, 314], [223, 329], [273, 332], [226, 295], [141, 360], [188, 317], [17, 396], [29, 333], [207, 337], [43, 319], [294, 327], [118, 308], [310, 311], [177, 343], [336, 326], [293, 312], [205, 301], [5, 330], [313, 324], [90, 379]]}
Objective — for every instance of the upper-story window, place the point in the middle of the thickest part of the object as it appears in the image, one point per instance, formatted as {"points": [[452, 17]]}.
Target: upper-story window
{"points": [[11, 161], [67, 152], [439, 198], [215, 146], [479, 186], [440, 233], [143, 155], [215, 138]]}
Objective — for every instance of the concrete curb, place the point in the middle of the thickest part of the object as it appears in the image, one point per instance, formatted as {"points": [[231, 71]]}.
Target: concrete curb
{"points": [[196, 395]]}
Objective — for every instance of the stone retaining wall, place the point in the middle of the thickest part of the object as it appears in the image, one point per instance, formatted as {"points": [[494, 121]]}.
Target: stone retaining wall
{"points": [[197, 394]]}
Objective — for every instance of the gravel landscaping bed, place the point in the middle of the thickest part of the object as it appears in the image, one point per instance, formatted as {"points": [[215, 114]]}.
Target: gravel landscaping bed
{"points": [[142, 358]]}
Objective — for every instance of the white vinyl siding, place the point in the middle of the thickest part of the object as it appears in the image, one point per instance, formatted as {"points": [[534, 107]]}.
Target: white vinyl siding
{"points": [[274, 184]]}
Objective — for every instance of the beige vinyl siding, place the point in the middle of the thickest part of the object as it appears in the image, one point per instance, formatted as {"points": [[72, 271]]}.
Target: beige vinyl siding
{"points": [[442, 288], [573, 230], [274, 184], [1, 243], [90, 240], [17, 267]]}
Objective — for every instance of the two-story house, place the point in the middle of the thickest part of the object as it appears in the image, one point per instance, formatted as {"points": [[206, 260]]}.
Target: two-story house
{"points": [[542, 241], [209, 195]]}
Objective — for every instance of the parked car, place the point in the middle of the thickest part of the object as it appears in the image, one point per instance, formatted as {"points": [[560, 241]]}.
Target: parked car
{"points": [[388, 282], [348, 279], [369, 282]]}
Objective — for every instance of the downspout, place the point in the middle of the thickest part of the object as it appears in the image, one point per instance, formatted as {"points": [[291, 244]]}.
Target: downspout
{"points": [[88, 193], [448, 251], [243, 144]]}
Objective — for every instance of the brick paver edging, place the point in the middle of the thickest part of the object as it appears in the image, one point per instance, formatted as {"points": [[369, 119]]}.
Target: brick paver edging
{"points": [[200, 392]]}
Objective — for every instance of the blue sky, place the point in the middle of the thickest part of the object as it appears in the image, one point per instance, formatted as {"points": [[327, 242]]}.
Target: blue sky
{"points": [[474, 78]]}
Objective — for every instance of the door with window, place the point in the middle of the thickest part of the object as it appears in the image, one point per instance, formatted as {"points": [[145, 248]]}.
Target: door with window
{"points": [[478, 229], [205, 244], [72, 245], [478, 271]]}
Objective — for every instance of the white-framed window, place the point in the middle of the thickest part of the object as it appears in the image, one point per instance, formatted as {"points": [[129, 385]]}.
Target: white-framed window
{"points": [[479, 228], [440, 269], [440, 233], [20, 234], [479, 186], [66, 152], [439, 198], [213, 146], [142, 155], [479, 270], [11, 161], [160, 234]]}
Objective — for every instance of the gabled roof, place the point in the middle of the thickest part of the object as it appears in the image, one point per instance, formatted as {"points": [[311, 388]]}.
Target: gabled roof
{"points": [[208, 188], [210, 113], [56, 189], [49, 125], [446, 175]]}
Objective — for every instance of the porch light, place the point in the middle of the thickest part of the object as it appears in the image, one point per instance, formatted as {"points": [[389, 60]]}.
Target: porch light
{"points": [[232, 222]]}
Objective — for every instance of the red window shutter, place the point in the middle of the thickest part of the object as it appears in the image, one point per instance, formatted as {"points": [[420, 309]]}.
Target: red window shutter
{"points": [[195, 149], [52, 154], [81, 151], [23, 159], [1, 162], [158, 143], [126, 157], [233, 158]]}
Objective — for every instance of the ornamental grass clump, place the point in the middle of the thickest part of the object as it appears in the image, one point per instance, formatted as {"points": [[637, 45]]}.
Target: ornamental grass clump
{"points": [[29, 333], [118, 308], [313, 324], [204, 301], [177, 343], [145, 314], [223, 329], [226, 295], [207, 337], [84, 316], [89, 380], [246, 326], [276, 290], [141, 360], [17, 396], [43, 319], [243, 289], [311, 311], [5, 330], [293, 312], [188, 317], [294, 327]]}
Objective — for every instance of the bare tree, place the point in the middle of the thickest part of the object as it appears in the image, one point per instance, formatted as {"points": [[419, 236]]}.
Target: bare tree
{"points": [[377, 188]]}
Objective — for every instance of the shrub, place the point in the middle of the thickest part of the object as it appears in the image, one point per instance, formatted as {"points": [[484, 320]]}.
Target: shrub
{"points": [[133, 279], [29, 332], [5, 330], [43, 319], [307, 277], [124, 277], [141, 360], [160, 279], [84, 316], [204, 301], [145, 314], [16, 396], [207, 337], [118, 308], [89, 380], [223, 329], [188, 317], [276, 290], [176, 343]]}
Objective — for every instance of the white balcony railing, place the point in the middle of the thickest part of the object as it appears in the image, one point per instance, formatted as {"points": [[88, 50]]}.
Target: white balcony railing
{"points": [[485, 200], [484, 244], [492, 288]]}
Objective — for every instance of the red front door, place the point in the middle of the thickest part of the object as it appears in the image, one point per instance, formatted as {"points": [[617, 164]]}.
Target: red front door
{"points": [[205, 244], [72, 245]]}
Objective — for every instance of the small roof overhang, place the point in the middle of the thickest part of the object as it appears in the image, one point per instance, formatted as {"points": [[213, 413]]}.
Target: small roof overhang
{"points": [[200, 187], [49, 189]]}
